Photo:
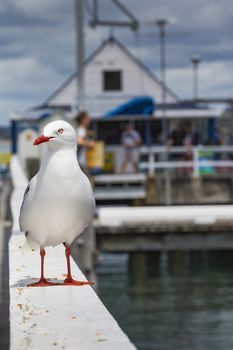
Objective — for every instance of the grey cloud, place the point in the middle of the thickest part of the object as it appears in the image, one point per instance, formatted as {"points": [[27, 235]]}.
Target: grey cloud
{"points": [[43, 31], [11, 16]]}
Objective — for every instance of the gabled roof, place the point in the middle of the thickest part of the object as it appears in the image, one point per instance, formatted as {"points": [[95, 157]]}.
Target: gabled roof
{"points": [[142, 66], [105, 43]]}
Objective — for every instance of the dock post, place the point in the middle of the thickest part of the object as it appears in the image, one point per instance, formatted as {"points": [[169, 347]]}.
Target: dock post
{"points": [[151, 189], [151, 160], [143, 265], [137, 268], [167, 187], [196, 180], [84, 249], [196, 189], [196, 170]]}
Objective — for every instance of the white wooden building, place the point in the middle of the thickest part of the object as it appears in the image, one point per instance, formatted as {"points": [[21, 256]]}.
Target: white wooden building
{"points": [[113, 76]]}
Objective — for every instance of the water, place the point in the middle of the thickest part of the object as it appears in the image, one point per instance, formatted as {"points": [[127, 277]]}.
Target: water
{"points": [[175, 301]]}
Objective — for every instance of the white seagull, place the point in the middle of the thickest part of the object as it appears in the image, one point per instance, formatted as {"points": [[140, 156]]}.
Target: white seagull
{"points": [[58, 203]]}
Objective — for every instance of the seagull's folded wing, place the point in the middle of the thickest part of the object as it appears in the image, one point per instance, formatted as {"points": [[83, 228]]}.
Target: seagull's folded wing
{"points": [[25, 203]]}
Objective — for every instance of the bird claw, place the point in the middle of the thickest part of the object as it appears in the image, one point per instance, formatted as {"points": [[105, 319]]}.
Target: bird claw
{"points": [[42, 283], [69, 281]]}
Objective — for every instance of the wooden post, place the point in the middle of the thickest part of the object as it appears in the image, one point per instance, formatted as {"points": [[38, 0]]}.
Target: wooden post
{"points": [[196, 170], [137, 268], [143, 265], [84, 250], [151, 160], [151, 189]]}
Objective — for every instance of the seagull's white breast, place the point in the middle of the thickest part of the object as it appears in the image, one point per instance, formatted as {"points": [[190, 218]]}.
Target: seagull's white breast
{"points": [[60, 202]]}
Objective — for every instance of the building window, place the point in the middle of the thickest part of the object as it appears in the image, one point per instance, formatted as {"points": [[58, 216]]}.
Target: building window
{"points": [[112, 81]]}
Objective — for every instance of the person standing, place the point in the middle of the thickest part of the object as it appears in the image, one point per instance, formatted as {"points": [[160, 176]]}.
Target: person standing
{"points": [[130, 140], [83, 141]]}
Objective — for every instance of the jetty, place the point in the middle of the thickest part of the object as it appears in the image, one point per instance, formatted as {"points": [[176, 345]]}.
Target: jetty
{"points": [[133, 229], [5, 229]]}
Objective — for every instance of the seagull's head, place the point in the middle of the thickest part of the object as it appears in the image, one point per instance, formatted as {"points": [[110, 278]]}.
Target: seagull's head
{"points": [[58, 134]]}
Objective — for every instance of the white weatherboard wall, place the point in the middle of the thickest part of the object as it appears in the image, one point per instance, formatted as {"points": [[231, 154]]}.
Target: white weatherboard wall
{"points": [[60, 317], [136, 81]]}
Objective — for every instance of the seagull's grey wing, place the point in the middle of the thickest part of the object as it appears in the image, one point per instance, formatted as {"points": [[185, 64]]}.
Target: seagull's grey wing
{"points": [[25, 195], [24, 203]]}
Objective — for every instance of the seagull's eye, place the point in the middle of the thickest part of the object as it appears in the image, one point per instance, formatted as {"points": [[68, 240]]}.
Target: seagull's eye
{"points": [[60, 131]]}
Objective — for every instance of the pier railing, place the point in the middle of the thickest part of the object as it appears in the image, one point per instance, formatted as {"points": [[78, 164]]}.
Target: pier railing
{"points": [[59, 317], [198, 159]]}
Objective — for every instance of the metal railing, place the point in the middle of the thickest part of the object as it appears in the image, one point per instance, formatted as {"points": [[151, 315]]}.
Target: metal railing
{"points": [[197, 158]]}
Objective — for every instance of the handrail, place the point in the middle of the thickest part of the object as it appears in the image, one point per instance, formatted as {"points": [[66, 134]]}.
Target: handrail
{"points": [[183, 149], [60, 317], [188, 164], [196, 163]]}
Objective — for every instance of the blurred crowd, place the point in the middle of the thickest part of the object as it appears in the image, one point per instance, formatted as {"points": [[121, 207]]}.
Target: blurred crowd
{"points": [[183, 134]]}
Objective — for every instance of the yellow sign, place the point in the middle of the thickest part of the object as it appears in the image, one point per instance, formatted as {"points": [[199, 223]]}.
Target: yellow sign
{"points": [[5, 158], [95, 156]]}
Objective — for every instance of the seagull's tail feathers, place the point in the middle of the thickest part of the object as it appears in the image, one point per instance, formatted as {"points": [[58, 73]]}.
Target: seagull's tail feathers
{"points": [[30, 243]]}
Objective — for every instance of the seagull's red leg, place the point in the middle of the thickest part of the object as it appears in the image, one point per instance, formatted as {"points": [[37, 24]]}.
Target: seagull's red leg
{"points": [[69, 280], [42, 282]]}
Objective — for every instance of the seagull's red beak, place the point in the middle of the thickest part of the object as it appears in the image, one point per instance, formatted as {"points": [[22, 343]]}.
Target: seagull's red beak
{"points": [[41, 139]]}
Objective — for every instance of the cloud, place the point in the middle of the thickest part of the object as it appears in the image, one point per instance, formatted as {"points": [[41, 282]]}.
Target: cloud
{"points": [[215, 80], [37, 44]]}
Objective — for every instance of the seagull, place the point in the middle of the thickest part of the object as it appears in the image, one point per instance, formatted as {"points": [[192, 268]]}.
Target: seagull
{"points": [[58, 203]]}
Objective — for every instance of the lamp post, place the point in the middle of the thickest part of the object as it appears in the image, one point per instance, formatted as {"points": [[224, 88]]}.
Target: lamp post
{"points": [[195, 61], [79, 12], [161, 23], [132, 22]]}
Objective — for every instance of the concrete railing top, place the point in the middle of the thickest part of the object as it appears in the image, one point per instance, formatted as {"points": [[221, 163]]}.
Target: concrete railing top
{"points": [[58, 317], [119, 178], [19, 182], [197, 214]]}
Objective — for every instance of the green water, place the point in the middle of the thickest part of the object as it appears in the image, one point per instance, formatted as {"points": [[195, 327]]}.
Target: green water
{"points": [[176, 301]]}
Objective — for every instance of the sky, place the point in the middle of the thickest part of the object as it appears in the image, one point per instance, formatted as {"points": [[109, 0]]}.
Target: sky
{"points": [[37, 45]]}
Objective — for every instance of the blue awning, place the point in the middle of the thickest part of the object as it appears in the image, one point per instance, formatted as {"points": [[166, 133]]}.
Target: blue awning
{"points": [[143, 105]]}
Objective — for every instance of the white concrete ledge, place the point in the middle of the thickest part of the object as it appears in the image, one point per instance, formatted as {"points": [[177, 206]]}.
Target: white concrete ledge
{"points": [[119, 178], [19, 182], [59, 317], [197, 214]]}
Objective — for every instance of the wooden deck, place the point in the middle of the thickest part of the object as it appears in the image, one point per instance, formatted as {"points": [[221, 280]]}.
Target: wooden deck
{"points": [[127, 229], [119, 187]]}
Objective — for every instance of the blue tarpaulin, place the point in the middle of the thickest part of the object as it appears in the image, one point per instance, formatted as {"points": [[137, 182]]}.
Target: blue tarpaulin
{"points": [[143, 105]]}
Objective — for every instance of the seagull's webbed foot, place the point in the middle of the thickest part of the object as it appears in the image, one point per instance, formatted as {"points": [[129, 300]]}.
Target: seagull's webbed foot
{"points": [[43, 283], [69, 281]]}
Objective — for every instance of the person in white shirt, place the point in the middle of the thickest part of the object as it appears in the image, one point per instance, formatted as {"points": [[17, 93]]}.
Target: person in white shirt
{"points": [[130, 140], [83, 120]]}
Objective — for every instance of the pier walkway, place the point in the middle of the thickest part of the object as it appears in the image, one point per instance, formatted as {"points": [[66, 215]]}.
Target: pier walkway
{"points": [[4, 295], [4, 273], [132, 229]]}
